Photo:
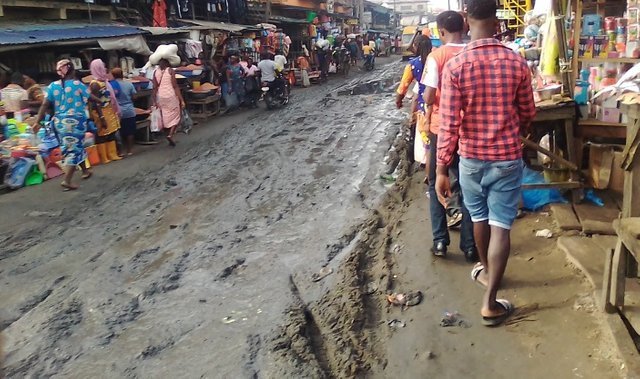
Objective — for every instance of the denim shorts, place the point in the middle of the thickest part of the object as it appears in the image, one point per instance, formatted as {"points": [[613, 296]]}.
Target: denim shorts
{"points": [[491, 190]]}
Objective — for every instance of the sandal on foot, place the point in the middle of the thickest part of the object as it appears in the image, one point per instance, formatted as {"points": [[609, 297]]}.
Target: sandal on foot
{"points": [[501, 318], [87, 175], [68, 187], [323, 273], [475, 273], [172, 143]]}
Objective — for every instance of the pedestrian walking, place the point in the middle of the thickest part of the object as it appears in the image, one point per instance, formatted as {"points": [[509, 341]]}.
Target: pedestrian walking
{"points": [[413, 71], [235, 82], [124, 94], [251, 84], [486, 103], [303, 65], [450, 25], [167, 98], [104, 113], [69, 98]]}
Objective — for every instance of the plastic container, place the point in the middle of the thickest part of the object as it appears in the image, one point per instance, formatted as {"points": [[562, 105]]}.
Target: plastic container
{"points": [[55, 155], [92, 155]]}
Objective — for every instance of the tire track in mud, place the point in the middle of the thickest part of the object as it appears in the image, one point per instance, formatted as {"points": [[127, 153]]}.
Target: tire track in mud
{"points": [[337, 335], [182, 254]]}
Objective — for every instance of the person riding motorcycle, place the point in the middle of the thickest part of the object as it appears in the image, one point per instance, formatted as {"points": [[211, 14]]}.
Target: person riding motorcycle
{"points": [[270, 73], [369, 53]]}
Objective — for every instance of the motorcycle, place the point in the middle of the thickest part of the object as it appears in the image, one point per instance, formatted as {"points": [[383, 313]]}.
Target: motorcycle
{"points": [[369, 62], [342, 58], [276, 93]]}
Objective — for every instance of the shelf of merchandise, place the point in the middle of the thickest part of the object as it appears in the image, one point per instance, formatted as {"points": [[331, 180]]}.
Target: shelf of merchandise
{"points": [[603, 9], [609, 60]]}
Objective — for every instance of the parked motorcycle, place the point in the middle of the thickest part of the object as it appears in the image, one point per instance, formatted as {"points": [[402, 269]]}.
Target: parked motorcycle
{"points": [[276, 93]]}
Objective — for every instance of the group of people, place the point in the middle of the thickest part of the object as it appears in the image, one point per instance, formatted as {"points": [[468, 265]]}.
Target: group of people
{"points": [[473, 102], [104, 107]]}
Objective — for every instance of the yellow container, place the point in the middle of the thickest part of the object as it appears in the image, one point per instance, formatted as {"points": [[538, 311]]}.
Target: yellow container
{"points": [[196, 84]]}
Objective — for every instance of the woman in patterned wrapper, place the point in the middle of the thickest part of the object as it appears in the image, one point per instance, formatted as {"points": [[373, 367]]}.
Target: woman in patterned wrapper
{"points": [[68, 97], [105, 112]]}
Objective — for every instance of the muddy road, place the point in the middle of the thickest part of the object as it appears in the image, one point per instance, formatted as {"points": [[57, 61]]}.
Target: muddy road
{"points": [[197, 262], [192, 267]]}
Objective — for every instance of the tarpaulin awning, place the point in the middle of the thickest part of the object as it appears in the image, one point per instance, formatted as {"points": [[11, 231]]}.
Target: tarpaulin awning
{"points": [[134, 44], [43, 33], [287, 20], [161, 31], [212, 25]]}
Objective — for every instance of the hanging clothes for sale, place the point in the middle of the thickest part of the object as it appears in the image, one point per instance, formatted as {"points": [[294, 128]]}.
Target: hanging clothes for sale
{"points": [[160, 13], [192, 48]]}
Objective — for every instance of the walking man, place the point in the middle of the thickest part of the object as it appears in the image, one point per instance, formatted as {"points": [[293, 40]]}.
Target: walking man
{"points": [[450, 25], [486, 102]]}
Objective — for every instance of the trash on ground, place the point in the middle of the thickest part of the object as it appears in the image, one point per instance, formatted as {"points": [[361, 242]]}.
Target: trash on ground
{"points": [[388, 178], [408, 299], [546, 233], [371, 288], [454, 319], [323, 273], [228, 320], [395, 323]]}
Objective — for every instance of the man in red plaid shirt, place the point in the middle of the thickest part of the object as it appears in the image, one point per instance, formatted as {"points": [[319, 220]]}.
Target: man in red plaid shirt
{"points": [[486, 103]]}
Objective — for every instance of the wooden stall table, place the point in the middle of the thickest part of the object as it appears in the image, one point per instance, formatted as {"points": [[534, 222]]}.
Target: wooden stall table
{"points": [[622, 263], [142, 101], [563, 113], [203, 102]]}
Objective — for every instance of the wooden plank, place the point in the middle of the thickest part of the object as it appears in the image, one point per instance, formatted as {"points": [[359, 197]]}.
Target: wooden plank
{"points": [[632, 303], [555, 157], [628, 235], [605, 304], [618, 280], [568, 185], [564, 112], [595, 219], [565, 217]]}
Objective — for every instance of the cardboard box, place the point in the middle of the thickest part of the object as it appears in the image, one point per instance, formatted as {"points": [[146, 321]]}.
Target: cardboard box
{"points": [[604, 166], [608, 114], [616, 182]]}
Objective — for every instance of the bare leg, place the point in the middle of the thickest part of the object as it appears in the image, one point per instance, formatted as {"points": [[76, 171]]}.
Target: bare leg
{"points": [[498, 255], [86, 173], [482, 235], [130, 142], [68, 177]]}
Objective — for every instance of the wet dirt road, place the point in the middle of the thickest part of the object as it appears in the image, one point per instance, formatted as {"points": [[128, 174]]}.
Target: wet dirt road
{"points": [[188, 268], [197, 262]]}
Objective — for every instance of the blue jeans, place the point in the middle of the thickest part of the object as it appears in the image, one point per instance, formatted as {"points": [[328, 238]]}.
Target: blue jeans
{"points": [[438, 212], [491, 190]]}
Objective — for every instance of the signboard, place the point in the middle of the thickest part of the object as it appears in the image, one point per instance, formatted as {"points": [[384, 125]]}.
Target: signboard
{"points": [[367, 18], [330, 6], [352, 21]]}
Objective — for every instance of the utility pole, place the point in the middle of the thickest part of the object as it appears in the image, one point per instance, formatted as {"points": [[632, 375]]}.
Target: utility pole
{"points": [[267, 11]]}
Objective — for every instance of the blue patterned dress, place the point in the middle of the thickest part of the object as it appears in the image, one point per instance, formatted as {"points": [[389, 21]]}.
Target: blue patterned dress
{"points": [[70, 118]]}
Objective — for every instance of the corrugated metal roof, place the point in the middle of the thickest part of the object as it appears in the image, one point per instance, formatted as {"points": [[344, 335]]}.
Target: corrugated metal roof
{"points": [[43, 33]]}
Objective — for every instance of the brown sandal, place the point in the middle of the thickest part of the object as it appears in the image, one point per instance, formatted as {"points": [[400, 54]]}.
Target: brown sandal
{"points": [[87, 175]]}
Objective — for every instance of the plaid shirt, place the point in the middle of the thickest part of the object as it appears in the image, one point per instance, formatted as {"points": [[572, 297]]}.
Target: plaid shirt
{"points": [[486, 100]]}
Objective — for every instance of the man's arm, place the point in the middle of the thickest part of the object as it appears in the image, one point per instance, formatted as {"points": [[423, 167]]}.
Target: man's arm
{"points": [[450, 120], [430, 79], [525, 102], [407, 78]]}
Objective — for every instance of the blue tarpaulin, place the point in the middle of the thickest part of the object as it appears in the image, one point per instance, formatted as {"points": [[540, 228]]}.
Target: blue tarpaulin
{"points": [[43, 33]]}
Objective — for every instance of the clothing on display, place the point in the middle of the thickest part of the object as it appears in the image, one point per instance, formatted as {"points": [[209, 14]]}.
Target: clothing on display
{"points": [[159, 13]]}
